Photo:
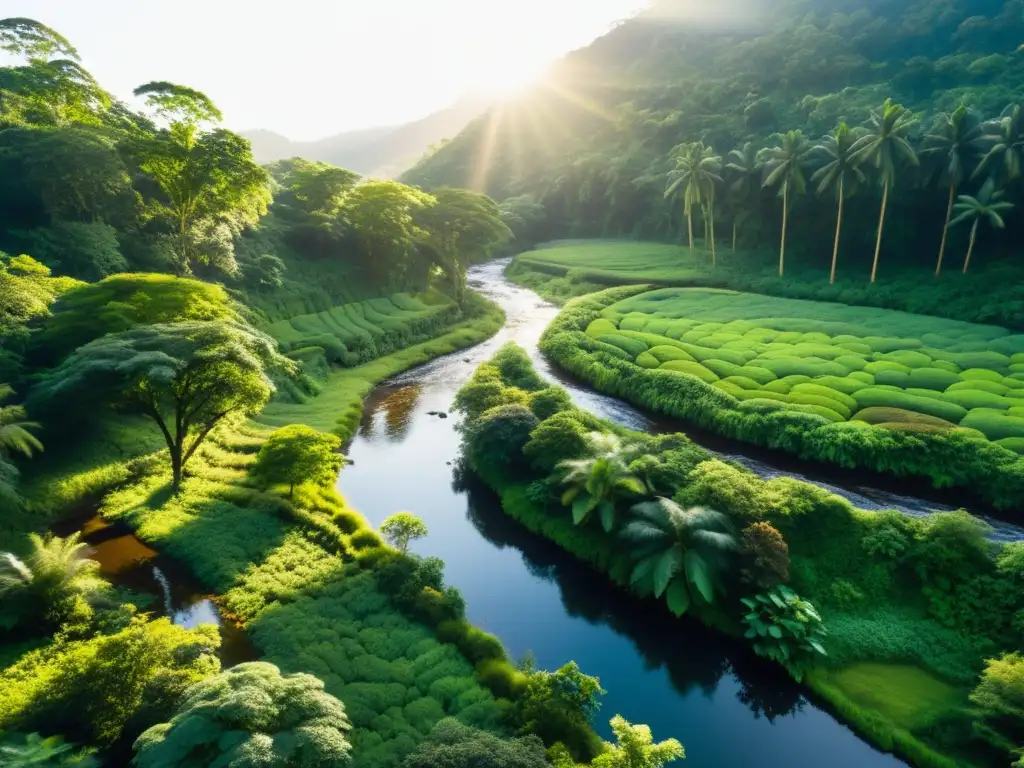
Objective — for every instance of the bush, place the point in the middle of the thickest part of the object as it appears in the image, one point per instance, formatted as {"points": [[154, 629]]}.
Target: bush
{"points": [[497, 438], [785, 629], [231, 717], [766, 556], [545, 403], [297, 454], [454, 745]]}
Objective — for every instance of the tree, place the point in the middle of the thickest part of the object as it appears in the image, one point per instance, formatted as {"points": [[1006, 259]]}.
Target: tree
{"points": [[384, 217], [1005, 156], [693, 178], [462, 227], [999, 698], [451, 744], [598, 481], [839, 175], [883, 148], [250, 716], [766, 555], [746, 169], [188, 377], [784, 165], [635, 748], [297, 454], [986, 206], [954, 142], [206, 187], [678, 553], [401, 528], [15, 432], [54, 577], [33, 41]]}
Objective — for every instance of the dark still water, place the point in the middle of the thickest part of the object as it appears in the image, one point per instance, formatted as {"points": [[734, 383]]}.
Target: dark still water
{"points": [[727, 707]]}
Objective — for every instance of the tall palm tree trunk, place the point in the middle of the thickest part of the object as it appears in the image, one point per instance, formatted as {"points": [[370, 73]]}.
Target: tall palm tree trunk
{"points": [[734, 235], [945, 229], [839, 225], [785, 220], [970, 248], [689, 228], [881, 227], [714, 254]]}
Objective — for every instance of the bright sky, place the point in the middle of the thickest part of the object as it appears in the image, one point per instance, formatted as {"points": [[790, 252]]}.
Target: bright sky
{"points": [[311, 68]]}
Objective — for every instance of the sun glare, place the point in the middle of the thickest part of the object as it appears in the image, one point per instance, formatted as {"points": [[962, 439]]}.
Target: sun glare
{"points": [[505, 77]]}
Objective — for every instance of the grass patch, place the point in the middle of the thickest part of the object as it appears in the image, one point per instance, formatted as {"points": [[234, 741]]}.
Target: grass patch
{"points": [[908, 696]]}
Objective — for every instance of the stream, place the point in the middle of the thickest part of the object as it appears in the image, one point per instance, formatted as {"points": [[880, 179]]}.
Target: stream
{"points": [[725, 705]]}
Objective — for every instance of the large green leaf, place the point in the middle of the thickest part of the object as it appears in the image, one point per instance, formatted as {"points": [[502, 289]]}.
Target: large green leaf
{"points": [[582, 507], [698, 576], [678, 596], [644, 569], [667, 567], [607, 511]]}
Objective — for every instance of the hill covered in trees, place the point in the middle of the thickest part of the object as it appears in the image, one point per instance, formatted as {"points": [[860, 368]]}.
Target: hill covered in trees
{"points": [[595, 142]]}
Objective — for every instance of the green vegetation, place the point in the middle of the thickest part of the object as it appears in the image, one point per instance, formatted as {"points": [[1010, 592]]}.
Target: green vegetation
{"points": [[250, 713], [297, 454], [454, 745], [401, 528], [635, 748], [34, 750], [876, 389], [563, 270], [839, 596]]}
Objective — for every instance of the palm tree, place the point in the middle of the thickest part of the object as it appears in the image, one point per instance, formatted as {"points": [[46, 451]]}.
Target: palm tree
{"points": [[883, 148], [1005, 155], [784, 165], [56, 572], [839, 175], [746, 169], [695, 174], [987, 205], [955, 139], [14, 431], [599, 480], [678, 552]]}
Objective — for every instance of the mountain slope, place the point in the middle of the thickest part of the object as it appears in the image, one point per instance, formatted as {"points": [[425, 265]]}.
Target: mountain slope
{"points": [[593, 141], [381, 152]]}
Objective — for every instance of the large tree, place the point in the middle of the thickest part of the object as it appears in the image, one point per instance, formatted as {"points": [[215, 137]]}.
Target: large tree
{"points": [[204, 186], [384, 216], [693, 178], [885, 147], [745, 168], [635, 748], [953, 142], [33, 41], [785, 168], [462, 227], [299, 454], [838, 175], [1004, 138], [187, 377]]}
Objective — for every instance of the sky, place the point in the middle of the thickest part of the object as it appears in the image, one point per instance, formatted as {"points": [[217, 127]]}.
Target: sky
{"points": [[311, 68]]}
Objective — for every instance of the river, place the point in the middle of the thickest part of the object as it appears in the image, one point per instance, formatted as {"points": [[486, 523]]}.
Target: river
{"points": [[726, 706]]}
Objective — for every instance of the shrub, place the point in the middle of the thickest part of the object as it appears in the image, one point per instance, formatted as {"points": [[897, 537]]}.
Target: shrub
{"points": [[453, 745], [1000, 701], [900, 416], [232, 717], [563, 436], [766, 556], [498, 437], [632, 347], [874, 396], [974, 398], [692, 369], [664, 354], [933, 378], [995, 425], [297, 454], [785, 629]]}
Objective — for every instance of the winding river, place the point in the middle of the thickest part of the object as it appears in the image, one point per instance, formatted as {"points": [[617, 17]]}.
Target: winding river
{"points": [[726, 706]]}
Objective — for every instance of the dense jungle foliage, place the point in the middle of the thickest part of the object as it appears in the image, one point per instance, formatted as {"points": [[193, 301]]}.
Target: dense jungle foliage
{"points": [[869, 608], [861, 388], [762, 118]]}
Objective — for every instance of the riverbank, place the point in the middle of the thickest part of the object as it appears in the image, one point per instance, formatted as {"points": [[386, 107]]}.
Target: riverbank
{"points": [[877, 626]]}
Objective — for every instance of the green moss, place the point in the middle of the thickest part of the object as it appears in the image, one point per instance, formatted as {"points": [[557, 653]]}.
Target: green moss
{"points": [[932, 378], [666, 353], [722, 368], [875, 396], [1015, 444], [744, 383], [892, 379], [981, 374], [907, 357], [994, 424], [760, 375], [693, 369], [907, 696], [647, 360], [814, 388], [630, 346], [847, 385], [879, 366], [972, 398], [600, 327]]}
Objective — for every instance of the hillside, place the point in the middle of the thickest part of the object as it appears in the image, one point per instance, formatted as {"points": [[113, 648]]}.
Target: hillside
{"points": [[382, 152], [593, 143]]}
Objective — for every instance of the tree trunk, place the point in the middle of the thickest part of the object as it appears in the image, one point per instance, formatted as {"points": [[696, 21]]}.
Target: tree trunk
{"points": [[881, 227], [945, 229], [714, 252], [176, 468], [839, 224], [734, 235], [291, 491], [785, 219], [689, 228], [970, 248]]}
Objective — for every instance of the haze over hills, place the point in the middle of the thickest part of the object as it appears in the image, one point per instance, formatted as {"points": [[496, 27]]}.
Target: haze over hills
{"points": [[383, 152]]}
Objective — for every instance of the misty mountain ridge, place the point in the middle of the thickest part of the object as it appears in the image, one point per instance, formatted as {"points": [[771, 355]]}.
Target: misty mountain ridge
{"points": [[382, 152]]}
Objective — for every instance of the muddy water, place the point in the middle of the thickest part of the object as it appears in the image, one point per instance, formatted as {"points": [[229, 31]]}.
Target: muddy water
{"points": [[165, 587]]}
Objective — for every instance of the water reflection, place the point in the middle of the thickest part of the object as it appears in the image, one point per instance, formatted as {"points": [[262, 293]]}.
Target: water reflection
{"points": [[388, 411]]}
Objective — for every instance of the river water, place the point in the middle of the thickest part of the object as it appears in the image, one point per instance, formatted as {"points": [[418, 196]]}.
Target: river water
{"points": [[726, 706]]}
